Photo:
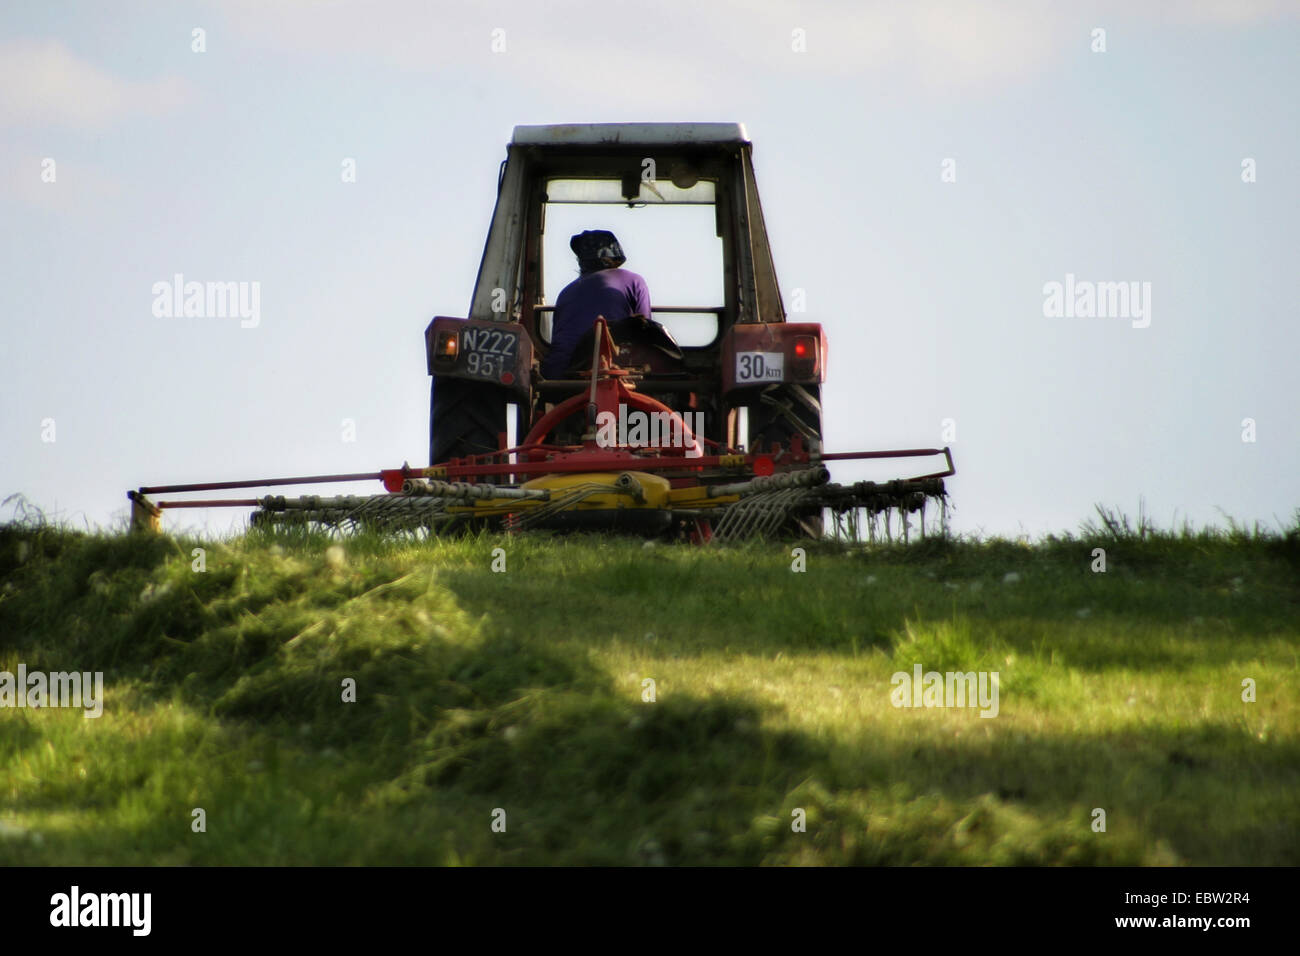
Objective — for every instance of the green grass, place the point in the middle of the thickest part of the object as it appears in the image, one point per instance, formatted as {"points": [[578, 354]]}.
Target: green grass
{"points": [[523, 691]]}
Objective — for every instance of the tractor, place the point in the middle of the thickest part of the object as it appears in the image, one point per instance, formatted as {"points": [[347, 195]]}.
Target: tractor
{"points": [[755, 361], [702, 419]]}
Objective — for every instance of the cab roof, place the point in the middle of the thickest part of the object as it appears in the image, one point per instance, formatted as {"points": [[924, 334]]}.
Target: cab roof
{"points": [[630, 134]]}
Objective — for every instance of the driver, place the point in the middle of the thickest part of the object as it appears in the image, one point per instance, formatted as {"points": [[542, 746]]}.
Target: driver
{"points": [[601, 289]]}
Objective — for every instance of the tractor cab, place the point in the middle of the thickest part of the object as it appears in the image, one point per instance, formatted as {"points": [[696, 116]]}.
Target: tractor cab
{"points": [[683, 200]]}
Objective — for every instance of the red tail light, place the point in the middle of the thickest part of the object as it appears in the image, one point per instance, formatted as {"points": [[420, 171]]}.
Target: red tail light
{"points": [[804, 360]]}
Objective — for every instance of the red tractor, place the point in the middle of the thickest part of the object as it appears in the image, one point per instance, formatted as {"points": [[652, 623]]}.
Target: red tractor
{"points": [[752, 380], [701, 418]]}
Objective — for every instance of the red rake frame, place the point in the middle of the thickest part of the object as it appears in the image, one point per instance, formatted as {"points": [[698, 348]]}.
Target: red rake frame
{"points": [[610, 387]]}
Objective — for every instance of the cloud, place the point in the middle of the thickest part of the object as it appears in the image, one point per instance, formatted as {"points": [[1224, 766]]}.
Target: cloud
{"points": [[43, 83]]}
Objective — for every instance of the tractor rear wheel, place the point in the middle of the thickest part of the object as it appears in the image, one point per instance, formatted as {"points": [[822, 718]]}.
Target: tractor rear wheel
{"points": [[466, 418]]}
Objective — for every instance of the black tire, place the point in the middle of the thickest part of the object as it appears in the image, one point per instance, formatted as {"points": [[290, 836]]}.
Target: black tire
{"points": [[777, 413], [465, 418]]}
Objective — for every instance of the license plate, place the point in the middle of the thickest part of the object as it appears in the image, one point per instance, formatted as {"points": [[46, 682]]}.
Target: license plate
{"points": [[760, 366], [489, 353]]}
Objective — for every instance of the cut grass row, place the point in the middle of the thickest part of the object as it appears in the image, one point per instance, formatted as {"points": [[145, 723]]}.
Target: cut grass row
{"points": [[524, 691]]}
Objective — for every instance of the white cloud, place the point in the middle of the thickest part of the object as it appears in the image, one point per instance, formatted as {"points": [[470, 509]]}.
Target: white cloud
{"points": [[43, 83]]}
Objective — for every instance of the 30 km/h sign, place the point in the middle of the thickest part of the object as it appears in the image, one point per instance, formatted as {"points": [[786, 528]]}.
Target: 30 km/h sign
{"points": [[760, 366]]}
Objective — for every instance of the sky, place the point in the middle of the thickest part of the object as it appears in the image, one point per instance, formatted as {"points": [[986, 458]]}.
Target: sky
{"points": [[928, 170]]}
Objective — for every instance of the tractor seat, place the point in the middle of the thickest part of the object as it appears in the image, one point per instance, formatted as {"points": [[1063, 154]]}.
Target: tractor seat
{"points": [[641, 341]]}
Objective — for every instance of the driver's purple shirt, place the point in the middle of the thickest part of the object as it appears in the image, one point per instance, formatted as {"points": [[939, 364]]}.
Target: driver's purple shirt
{"points": [[613, 293]]}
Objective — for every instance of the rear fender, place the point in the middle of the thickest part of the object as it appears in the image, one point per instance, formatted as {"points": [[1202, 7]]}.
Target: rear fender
{"points": [[773, 353], [498, 353]]}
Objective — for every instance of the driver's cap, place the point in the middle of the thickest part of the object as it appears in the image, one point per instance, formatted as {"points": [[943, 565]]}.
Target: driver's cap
{"points": [[597, 244]]}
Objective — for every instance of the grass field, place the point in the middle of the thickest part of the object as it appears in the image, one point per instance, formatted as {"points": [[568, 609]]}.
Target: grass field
{"points": [[524, 690]]}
